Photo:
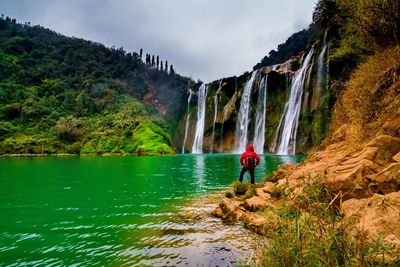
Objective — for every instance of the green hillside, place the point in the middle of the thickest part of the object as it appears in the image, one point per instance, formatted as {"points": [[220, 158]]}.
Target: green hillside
{"points": [[68, 95]]}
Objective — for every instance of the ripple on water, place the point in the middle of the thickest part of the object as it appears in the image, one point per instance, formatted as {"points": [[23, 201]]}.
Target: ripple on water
{"points": [[191, 237]]}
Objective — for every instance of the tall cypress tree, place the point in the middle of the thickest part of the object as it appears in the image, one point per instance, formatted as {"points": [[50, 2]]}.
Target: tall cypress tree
{"points": [[158, 61]]}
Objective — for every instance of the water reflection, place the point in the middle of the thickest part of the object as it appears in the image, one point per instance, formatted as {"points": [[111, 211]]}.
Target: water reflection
{"points": [[199, 172], [287, 159]]}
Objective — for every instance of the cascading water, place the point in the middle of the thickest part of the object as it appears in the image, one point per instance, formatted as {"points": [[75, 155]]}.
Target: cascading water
{"points": [[290, 117], [243, 118], [321, 71], [187, 123], [259, 131], [215, 113], [201, 112]]}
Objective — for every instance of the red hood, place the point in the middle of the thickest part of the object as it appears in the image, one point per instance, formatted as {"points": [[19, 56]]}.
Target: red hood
{"points": [[250, 148]]}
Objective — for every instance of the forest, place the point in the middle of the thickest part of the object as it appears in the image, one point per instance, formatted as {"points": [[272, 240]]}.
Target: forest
{"points": [[65, 95]]}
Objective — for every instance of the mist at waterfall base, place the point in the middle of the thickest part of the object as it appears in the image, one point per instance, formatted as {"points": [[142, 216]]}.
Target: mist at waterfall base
{"points": [[251, 113], [123, 211]]}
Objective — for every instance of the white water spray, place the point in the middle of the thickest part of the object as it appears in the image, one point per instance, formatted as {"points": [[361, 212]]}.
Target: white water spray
{"points": [[187, 123], [290, 117], [259, 131], [201, 112], [322, 70], [215, 113], [243, 118]]}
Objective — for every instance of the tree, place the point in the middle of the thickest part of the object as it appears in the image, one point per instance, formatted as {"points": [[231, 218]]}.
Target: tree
{"points": [[162, 66], [171, 70], [166, 66], [148, 60], [152, 61], [158, 62], [325, 13], [141, 53]]}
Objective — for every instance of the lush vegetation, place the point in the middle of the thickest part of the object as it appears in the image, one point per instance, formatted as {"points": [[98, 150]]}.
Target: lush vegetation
{"points": [[307, 230], [68, 95], [294, 45]]}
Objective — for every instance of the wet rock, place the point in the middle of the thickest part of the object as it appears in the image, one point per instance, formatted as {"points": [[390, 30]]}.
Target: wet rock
{"points": [[228, 210], [376, 216]]}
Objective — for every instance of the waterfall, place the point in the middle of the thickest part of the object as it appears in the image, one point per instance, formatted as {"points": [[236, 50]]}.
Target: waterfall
{"points": [[201, 112], [259, 131], [243, 118], [290, 117], [187, 122], [321, 72], [215, 113]]}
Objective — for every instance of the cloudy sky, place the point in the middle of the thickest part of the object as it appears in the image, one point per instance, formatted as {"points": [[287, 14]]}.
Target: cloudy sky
{"points": [[204, 39]]}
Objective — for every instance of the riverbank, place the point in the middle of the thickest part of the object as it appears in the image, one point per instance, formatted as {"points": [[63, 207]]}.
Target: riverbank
{"points": [[339, 207]]}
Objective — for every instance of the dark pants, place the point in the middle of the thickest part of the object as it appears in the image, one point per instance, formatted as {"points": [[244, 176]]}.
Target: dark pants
{"points": [[244, 169]]}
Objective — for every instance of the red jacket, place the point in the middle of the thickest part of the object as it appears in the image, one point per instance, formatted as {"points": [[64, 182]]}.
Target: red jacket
{"points": [[249, 154]]}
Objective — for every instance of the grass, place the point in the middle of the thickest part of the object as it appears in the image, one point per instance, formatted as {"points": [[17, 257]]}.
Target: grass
{"points": [[370, 104], [309, 232], [245, 190]]}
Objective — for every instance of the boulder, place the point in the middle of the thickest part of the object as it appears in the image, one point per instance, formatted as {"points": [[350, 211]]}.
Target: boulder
{"points": [[354, 172], [376, 216], [265, 224], [256, 203], [228, 210]]}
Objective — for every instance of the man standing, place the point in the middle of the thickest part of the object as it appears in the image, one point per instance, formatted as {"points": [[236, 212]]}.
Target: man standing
{"points": [[249, 160]]}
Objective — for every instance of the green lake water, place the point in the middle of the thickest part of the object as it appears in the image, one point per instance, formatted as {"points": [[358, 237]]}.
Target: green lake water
{"points": [[121, 211]]}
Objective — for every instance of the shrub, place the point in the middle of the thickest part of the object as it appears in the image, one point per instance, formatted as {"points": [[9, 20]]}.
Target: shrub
{"points": [[240, 188]]}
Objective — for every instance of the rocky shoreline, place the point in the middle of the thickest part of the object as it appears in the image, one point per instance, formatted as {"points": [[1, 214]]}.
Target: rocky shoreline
{"points": [[361, 186]]}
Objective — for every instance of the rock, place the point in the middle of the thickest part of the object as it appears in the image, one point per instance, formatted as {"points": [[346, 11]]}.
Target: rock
{"points": [[340, 134], [387, 143], [262, 193], [255, 203], [264, 224], [228, 210], [375, 216], [269, 187], [354, 173], [397, 157], [386, 181], [255, 222]]}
